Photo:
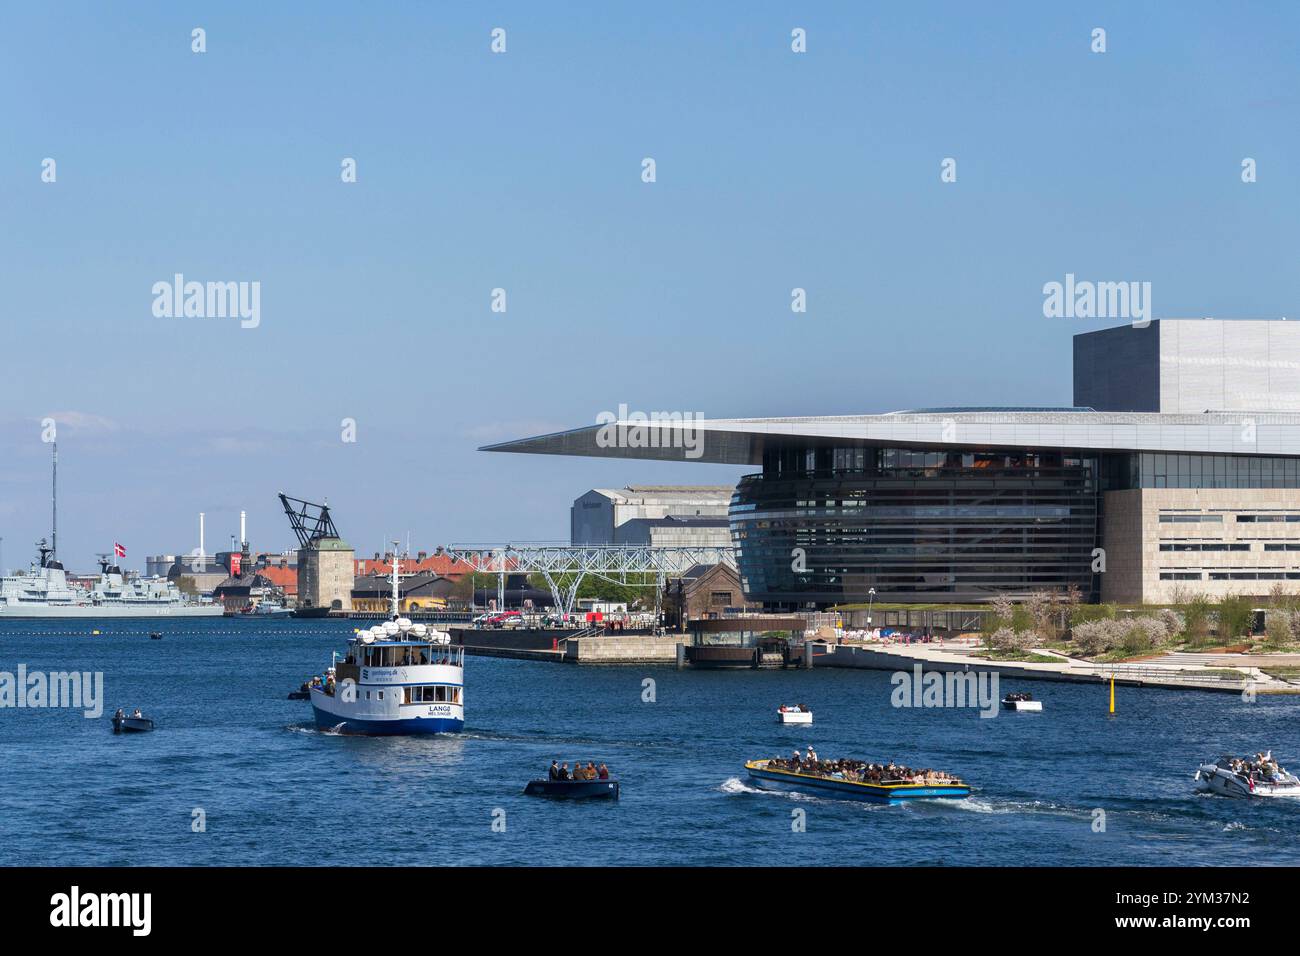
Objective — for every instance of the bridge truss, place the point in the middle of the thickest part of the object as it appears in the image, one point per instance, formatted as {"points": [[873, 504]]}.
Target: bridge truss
{"points": [[564, 567]]}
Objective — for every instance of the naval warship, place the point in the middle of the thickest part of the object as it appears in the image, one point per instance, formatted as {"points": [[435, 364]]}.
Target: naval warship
{"points": [[43, 590]]}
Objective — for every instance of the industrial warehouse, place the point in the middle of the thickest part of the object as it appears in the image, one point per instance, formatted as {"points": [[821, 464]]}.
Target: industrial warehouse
{"points": [[1177, 468]]}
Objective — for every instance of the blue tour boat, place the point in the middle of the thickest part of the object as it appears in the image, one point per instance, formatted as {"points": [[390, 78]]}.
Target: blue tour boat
{"points": [[893, 792]]}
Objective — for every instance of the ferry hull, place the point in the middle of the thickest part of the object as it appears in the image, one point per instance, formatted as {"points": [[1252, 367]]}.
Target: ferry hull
{"points": [[893, 794], [397, 727], [331, 713]]}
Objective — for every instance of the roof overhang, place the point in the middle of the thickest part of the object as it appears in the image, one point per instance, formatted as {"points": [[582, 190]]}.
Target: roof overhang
{"points": [[741, 441]]}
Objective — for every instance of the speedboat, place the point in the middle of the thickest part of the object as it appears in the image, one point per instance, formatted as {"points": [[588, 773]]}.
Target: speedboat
{"points": [[1021, 702], [799, 714], [768, 775], [1260, 777], [123, 724], [573, 789]]}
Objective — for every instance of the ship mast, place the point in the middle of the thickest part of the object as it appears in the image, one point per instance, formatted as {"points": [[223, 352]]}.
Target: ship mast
{"points": [[396, 601], [54, 505]]}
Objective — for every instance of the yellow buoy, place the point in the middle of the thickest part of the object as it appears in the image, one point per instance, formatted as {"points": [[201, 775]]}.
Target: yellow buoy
{"points": [[94, 632], [1112, 693]]}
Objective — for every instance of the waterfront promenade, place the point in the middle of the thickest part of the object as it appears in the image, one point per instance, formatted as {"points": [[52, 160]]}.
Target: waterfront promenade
{"points": [[1221, 672]]}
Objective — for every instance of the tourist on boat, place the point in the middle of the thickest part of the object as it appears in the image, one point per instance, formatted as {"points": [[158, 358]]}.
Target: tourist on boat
{"points": [[137, 713], [555, 770], [564, 772], [603, 773], [120, 714], [812, 754]]}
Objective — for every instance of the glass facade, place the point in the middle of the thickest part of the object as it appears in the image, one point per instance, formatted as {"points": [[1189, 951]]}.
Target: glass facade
{"points": [[1160, 470], [824, 525]]}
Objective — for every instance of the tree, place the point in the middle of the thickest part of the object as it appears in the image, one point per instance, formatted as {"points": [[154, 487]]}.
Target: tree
{"points": [[1197, 620], [1277, 627], [1235, 618]]}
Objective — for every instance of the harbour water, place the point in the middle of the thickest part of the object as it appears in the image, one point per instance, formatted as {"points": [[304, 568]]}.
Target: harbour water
{"points": [[273, 790]]}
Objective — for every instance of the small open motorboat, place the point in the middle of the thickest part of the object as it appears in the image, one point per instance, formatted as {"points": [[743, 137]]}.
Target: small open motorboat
{"points": [[300, 695], [573, 789], [1021, 701], [155, 636], [1261, 777], [131, 725], [799, 714]]}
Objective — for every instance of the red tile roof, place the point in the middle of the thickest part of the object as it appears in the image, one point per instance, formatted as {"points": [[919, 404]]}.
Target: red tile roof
{"points": [[284, 578], [439, 564]]}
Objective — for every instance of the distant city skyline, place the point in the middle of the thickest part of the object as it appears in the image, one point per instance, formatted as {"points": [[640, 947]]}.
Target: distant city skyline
{"points": [[523, 171]]}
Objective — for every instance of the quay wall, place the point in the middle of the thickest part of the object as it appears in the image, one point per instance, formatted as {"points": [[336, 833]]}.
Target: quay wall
{"points": [[624, 649]]}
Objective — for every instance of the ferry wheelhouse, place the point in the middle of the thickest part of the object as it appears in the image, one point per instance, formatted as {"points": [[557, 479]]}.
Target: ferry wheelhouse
{"points": [[398, 677]]}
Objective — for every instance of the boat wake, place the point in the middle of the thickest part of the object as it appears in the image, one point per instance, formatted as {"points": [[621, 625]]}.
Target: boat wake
{"points": [[314, 731], [734, 785]]}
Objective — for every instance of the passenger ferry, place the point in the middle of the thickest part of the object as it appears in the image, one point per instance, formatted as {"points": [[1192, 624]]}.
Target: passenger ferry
{"points": [[397, 678], [892, 792]]}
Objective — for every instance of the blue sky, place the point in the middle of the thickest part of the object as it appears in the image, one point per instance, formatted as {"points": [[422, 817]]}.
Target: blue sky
{"points": [[522, 171]]}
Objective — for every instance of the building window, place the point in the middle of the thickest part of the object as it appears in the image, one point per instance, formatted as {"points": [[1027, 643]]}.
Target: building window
{"points": [[720, 599]]}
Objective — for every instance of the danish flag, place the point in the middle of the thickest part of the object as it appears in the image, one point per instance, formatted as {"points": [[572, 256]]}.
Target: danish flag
{"points": [[118, 550]]}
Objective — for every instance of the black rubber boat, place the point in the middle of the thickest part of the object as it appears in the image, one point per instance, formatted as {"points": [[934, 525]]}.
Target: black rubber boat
{"points": [[155, 636], [132, 725], [573, 789], [300, 695]]}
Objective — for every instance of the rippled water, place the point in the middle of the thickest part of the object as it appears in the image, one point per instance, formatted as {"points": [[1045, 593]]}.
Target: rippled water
{"points": [[277, 791]]}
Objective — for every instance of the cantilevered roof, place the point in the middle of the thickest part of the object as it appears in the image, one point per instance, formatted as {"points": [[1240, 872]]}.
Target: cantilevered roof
{"points": [[741, 441]]}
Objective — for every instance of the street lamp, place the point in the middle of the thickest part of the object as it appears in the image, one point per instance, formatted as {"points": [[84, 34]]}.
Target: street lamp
{"points": [[871, 597]]}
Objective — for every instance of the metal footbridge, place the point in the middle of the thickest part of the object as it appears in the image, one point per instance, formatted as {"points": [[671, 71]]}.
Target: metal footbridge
{"points": [[563, 567]]}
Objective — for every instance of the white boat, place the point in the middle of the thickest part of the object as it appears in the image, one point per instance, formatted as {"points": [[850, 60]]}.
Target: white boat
{"points": [[268, 608], [1021, 702], [1260, 777], [397, 678], [794, 715]]}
